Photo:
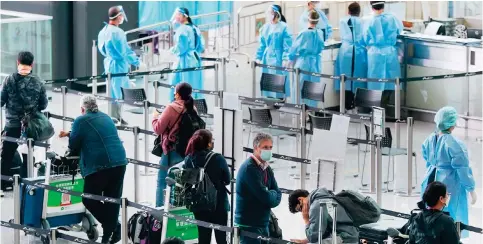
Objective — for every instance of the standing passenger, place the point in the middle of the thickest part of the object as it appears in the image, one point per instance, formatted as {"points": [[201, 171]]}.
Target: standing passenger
{"points": [[323, 23], [352, 56], [447, 161], [275, 42], [257, 191], [380, 38], [118, 56], [307, 49], [188, 45]]}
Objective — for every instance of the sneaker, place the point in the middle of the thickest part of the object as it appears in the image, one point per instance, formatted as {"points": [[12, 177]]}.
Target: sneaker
{"points": [[116, 235]]}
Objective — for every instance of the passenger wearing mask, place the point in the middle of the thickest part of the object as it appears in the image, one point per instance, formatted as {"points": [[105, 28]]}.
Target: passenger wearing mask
{"points": [[199, 147], [447, 161], [22, 92], [307, 50], [167, 125], [380, 38], [102, 164], [275, 42], [432, 225], [323, 23], [188, 45], [118, 56], [257, 191], [309, 205], [352, 57]]}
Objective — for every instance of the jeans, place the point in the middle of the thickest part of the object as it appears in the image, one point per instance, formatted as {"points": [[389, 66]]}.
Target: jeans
{"points": [[254, 230], [8, 153], [168, 160], [220, 217], [108, 183]]}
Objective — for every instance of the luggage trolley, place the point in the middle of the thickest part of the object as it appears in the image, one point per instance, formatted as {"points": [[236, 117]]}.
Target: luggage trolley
{"points": [[50, 209]]}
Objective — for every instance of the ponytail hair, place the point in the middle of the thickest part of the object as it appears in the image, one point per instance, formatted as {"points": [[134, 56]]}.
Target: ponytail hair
{"points": [[279, 9], [434, 191], [200, 141], [184, 90]]}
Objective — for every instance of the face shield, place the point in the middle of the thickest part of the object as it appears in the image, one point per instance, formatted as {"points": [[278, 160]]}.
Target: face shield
{"points": [[177, 15], [120, 12], [272, 13]]}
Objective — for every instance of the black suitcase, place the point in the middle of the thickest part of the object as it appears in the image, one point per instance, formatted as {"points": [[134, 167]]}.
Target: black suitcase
{"points": [[376, 233]]}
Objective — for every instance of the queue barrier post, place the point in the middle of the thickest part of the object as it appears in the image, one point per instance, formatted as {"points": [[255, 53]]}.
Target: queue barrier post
{"points": [[458, 228], [236, 235], [373, 159], [94, 66], [397, 111], [135, 131], [303, 144], [64, 104], [124, 218], [146, 83], [146, 136], [53, 236], [297, 86], [379, 171], [156, 91], [216, 82], [342, 94], [410, 123], [30, 157], [254, 78], [16, 207], [109, 94], [223, 70]]}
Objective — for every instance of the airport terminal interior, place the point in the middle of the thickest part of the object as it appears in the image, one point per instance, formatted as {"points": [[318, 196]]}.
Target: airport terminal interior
{"points": [[431, 48]]}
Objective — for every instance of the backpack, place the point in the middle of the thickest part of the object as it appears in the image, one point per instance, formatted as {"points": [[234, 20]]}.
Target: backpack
{"points": [[274, 230], [361, 209], [143, 228], [200, 194], [189, 122]]}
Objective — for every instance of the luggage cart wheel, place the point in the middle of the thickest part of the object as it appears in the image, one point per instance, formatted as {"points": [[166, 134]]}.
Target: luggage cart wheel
{"points": [[89, 224], [46, 226]]}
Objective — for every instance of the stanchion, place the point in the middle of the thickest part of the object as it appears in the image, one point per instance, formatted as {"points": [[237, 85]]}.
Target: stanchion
{"points": [[342, 94], [109, 94], [303, 143], [254, 79], [297, 85], [458, 228], [135, 131], [94, 67], [397, 111], [223, 70], [30, 158], [146, 136], [16, 207], [216, 82], [146, 84], [379, 171], [63, 101], [236, 235], [409, 187], [156, 91], [53, 236], [124, 238], [372, 186]]}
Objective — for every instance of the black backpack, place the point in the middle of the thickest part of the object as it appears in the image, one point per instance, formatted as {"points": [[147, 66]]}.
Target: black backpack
{"points": [[200, 194], [143, 228], [361, 209], [189, 123]]}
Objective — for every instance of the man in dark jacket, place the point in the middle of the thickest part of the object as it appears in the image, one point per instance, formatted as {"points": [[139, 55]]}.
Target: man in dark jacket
{"points": [[309, 205], [22, 92], [257, 191], [102, 164]]}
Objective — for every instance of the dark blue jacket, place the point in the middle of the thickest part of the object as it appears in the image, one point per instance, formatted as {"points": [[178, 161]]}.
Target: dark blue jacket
{"points": [[95, 136], [257, 193], [218, 172]]}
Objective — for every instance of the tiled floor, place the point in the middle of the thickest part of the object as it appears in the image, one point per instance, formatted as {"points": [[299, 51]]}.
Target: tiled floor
{"points": [[239, 81]]}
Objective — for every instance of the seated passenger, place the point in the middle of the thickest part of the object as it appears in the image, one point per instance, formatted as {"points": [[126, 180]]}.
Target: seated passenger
{"points": [[197, 156], [102, 164], [433, 225], [257, 191], [309, 205]]}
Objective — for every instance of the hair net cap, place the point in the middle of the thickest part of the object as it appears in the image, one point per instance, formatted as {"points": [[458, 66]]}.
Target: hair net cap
{"points": [[446, 118]]}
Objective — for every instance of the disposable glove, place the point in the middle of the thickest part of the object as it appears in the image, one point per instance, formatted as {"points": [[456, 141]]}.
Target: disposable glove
{"points": [[474, 197]]}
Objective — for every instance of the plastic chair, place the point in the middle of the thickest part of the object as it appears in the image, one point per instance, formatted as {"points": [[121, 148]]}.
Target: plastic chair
{"points": [[134, 94], [273, 83], [202, 108], [314, 91], [387, 150]]}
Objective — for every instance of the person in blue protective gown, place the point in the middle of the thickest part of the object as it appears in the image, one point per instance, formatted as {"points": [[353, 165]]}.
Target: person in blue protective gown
{"points": [[118, 56], [275, 42], [352, 57], [447, 161], [323, 23], [380, 38], [188, 45], [306, 50]]}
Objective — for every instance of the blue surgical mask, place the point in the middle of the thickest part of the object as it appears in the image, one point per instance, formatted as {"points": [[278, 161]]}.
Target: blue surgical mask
{"points": [[266, 155]]}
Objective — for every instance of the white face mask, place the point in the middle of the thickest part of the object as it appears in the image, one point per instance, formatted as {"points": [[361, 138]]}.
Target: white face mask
{"points": [[122, 21]]}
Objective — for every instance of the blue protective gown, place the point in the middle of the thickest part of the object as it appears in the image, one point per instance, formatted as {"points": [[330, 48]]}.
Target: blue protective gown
{"points": [[307, 48], [322, 24], [380, 37], [188, 45], [275, 42], [447, 157], [352, 57], [118, 56]]}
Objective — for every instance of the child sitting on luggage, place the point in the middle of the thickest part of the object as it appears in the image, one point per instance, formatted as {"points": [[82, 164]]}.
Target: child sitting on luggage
{"points": [[309, 204]]}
